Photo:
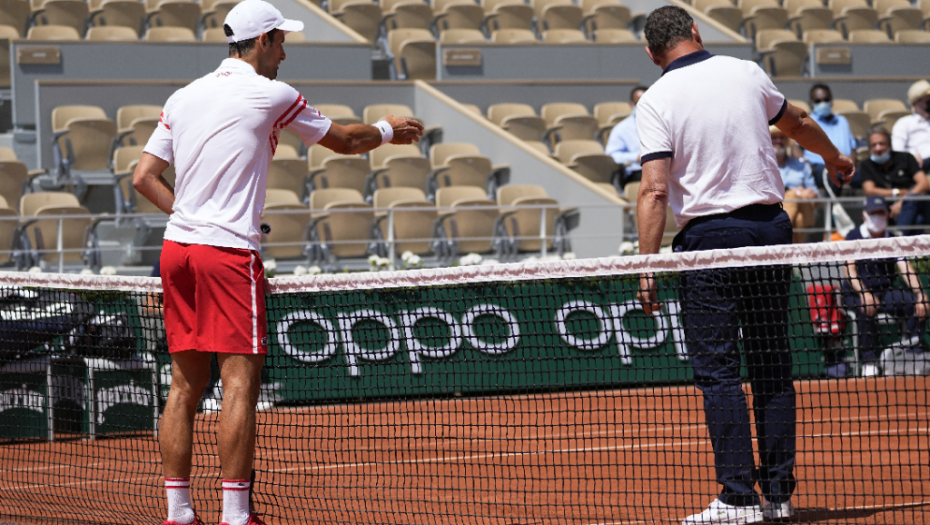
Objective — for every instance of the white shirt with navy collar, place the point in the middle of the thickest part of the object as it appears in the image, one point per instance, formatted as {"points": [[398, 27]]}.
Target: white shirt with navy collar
{"points": [[711, 116]]}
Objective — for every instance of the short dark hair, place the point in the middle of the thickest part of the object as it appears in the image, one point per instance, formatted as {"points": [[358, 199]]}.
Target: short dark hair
{"points": [[637, 88], [666, 27], [881, 130], [243, 47], [822, 86]]}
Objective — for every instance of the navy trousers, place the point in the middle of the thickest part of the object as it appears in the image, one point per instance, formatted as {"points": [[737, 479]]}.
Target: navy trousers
{"points": [[716, 305], [898, 303], [913, 213]]}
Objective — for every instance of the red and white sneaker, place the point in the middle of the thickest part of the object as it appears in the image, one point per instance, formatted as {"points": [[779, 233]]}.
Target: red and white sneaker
{"points": [[254, 519], [197, 521]]}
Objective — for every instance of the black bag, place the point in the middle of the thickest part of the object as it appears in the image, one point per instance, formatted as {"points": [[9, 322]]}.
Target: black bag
{"points": [[30, 318], [107, 336]]}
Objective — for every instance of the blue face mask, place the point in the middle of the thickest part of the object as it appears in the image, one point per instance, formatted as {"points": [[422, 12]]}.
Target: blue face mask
{"points": [[822, 109], [881, 159]]}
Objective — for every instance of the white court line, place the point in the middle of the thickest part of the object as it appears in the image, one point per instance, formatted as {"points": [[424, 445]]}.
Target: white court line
{"points": [[50, 467]]}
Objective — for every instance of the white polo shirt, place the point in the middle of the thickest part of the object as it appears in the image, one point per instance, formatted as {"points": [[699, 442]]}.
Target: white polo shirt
{"points": [[911, 134], [711, 115], [220, 132]]}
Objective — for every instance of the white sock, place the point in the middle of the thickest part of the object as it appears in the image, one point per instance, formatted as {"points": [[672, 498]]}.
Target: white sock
{"points": [[179, 500], [236, 501]]}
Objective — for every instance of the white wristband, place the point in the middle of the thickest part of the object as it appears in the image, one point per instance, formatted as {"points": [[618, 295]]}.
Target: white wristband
{"points": [[387, 132]]}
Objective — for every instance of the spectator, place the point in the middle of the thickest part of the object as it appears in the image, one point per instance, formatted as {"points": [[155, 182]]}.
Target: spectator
{"points": [[888, 173], [799, 184], [870, 289], [911, 134], [623, 143], [836, 127]]}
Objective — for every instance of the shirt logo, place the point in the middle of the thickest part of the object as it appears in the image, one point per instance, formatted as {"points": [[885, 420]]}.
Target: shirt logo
{"points": [[224, 73]]}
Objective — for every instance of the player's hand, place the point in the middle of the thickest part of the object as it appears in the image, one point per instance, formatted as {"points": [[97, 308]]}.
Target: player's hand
{"points": [[406, 130], [647, 295], [869, 305], [841, 170]]}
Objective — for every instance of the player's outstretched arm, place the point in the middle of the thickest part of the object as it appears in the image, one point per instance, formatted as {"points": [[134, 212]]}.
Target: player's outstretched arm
{"points": [[148, 181], [798, 125], [360, 138]]}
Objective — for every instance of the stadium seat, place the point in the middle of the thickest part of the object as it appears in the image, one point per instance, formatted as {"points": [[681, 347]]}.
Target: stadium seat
{"points": [[7, 153], [53, 32], [413, 220], [14, 175], [880, 108], [112, 33], [564, 36], [802, 104], [506, 14], [859, 121], [895, 15], [608, 115], [83, 138], [522, 222], [9, 226], [868, 36], [213, 34], [604, 14], [7, 33], [295, 37], [556, 14], [513, 36], [397, 165], [761, 14], [781, 52], [136, 123], [124, 164], [722, 11], [823, 36], [214, 13], [321, 198], [567, 121], [40, 227], [328, 169], [805, 15], [405, 14], [341, 225], [170, 34], [615, 36], [288, 219], [459, 164], [462, 36], [518, 119], [842, 105], [118, 13], [285, 150], [15, 13], [374, 112], [466, 229], [71, 13], [457, 14], [289, 172], [539, 146], [338, 113], [849, 15], [587, 157], [175, 13], [912, 36], [414, 52], [362, 16]]}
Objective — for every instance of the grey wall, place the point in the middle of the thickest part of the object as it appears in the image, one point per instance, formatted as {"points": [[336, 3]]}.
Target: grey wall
{"points": [[536, 93], [567, 62], [175, 61], [316, 28], [857, 89], [876, 60]]}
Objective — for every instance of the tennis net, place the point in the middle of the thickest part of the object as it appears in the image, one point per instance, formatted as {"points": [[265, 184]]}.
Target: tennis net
{"points": [[508, 394]]}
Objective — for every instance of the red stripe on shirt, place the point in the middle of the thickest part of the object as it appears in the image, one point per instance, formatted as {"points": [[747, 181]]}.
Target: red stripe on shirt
{"points": [[295, 114], [161, 119], [286, 113]]}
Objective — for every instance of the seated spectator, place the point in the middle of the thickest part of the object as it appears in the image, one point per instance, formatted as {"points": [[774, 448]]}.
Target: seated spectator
{"points": [[870, 288], [836, 127], [889, 173], [911, 134], [623, 143], [799, 184]]}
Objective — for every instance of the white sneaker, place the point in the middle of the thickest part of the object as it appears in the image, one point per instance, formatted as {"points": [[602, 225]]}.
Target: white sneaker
{"points": [[870, 370], [778, 511], [720, 513]]}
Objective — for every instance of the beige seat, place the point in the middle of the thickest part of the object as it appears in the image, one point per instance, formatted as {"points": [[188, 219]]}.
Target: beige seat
{"points": [[604, 14], [615, 36], [13, 178], [878, 108], [341, 231], [568, 121], [414, 52], [556, 14], [339, 113], [564, 36], [895, 15], [782, 53], [506, 14], [329, 169], [722, 11], [401, 14], [71, 13], [40, 221], [587, 158], [888, 118], [762, 14], [362, 16], [912, 36], [457, 14], [53, 32], [117, 13], [214, 13], [539, 146], [802, 104], [374, 112], [288, 173], [470, 223], [7, 33], [523, 206], [805, 15], [175, 13], [296, 37], [868, 36], [7, 154], [111, 33], [285, 151], [321, 198], [462, 36], [519, 119], [137, 122], [849, 15], [170, 34], [924, 6], [413, 219], [15, 13], [397, 166], [288, 219], [823, 36], [9, 226], [842, 105], [859, 122], [459, 164], [83, 138], [513, 36], [213, 34], [125, 160], [608, 115]]}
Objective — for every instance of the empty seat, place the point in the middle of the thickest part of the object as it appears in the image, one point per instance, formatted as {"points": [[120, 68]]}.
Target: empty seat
{"points": [[462, 36], [805, 15], [722, 11], [374, 112], [288, 219], [587, 158], [83, 138], [213, 34], [802, 104], [136, 123], [849, 15], [125, 160], [895, 15], [782, 53], [414, 52], [762, 14], [9, 226], [859, 121], [513, 36], [175, 13], [397, 165], [469, 226], [615, 36], [71, 13], [289, 172], [53, 32], [117, 13], [339, 113], [457, 14], [111, 33], [868, 36], [841, 105], [912, 36], [568, 121], [329, 169], [564, 36], [398, 14], [604, 14], [341, 225], [556, 14], [524, 205], [879, 108], [15, 13], [519, 119], [412, 217], [459, 164], [823, 36], [214, 13], [13, 178], [362, 16], [170, 34], [506, 14], [609, 114], [41, 222]]}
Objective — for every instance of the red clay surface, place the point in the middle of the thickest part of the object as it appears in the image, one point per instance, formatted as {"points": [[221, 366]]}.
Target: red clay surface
{"points": [[625, 456]]}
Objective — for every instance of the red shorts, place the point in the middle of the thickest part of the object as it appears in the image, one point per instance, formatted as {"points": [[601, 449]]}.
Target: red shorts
{"points": [[214, 299]]}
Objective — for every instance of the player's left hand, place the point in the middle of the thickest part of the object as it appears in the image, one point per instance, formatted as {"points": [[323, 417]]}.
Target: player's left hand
{"points": [[841, 170], [406, 130]]}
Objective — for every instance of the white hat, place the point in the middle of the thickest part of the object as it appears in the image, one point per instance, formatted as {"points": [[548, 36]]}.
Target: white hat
{"points": [[917, 90], [251, 18]]}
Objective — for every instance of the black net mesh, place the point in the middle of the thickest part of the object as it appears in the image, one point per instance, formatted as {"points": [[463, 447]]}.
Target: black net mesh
{"points": [[499, 400]]}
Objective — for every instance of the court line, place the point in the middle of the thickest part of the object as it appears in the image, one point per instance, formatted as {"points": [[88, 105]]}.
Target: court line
{"points": [[50, 467]]}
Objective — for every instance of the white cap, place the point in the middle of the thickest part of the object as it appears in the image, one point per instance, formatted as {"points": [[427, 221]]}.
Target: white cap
{"points": [[918, 90], [251, 18]]}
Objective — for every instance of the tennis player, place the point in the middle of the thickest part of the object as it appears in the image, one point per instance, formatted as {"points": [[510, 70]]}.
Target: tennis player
{"points": [[706, 149], [221, 132]]}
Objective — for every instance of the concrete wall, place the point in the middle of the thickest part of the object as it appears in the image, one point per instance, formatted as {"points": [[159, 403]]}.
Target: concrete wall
{"points": [[875, 60], [537, 92]]}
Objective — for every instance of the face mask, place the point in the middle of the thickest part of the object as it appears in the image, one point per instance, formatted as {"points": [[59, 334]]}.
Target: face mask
{"points": [[876, 223], [822, 109], [780, 151], [880, 159]]}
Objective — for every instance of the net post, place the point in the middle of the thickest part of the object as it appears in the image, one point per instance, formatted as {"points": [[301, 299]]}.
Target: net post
{"points": [[61, 254], [50, 410], [542, 230]]}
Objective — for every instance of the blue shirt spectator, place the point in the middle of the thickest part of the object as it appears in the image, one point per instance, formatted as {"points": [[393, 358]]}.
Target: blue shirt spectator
{"points": [[797, 174], [837, 128], [623, 143]]}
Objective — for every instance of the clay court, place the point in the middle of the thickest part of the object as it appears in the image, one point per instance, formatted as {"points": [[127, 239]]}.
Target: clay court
{"points": [[609, 457]]}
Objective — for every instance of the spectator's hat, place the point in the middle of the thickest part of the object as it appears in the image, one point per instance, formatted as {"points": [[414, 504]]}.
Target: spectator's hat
{"points": [[917, 90], [254, 17], [875, 203]]}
